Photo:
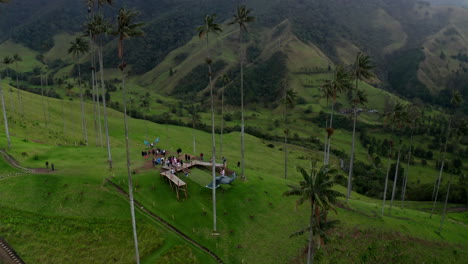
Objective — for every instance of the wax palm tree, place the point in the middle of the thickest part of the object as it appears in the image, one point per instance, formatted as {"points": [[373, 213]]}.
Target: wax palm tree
{"points": [[413, 114], [315, 188], [195, 118], [225, 80], [361, 71], [101, 26], [460, 132], [401, 119], [77, 48], [5, 119], [242, 18], [341, 82], [288, 101], [456, 101], [15, 59], [7, 60], [125, 29], [204, 31], [43, 97], [92, 31], [395, 117], [359, 97]]}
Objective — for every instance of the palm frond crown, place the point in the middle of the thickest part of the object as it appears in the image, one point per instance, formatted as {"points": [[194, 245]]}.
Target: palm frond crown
{"points": [[209, 26], [242, 17]]}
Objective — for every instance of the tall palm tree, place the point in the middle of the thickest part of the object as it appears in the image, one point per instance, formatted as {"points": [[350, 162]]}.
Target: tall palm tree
{"points": [[92, 31], [225, 80], [242, 17], [288, 101], [359, 97], [43, 97], [101, 26], [461, 131], [7, 60], [395, 117], [78, 48], [15, 59], [125, 29], [413, 114], [456, 101], [316, 188], [5, 119], [402, 120], [209, 26], [341, 82], [361, 71]]}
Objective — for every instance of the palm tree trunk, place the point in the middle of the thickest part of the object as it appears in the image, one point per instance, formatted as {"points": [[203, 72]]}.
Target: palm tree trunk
{"points": [[213, 139], [193, 135], [310, 251], [101, 66], [94, 95], [47, 95], [386, 175], [63, 116], [94, 108], [386, 180], [285, 155], [98, 109], [351, 160], [441, 167], [242, 105], [129, 174], [12, 105], [42, 101], [329, 137], [5, 119], [325, 143], [440, 160], [83, 119], [395, 179], [222, 124], [285, 143], [445, 204], [17, 90], [405, 182]]}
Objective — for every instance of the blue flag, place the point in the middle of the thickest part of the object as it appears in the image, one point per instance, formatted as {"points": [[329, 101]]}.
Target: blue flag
{"points": [[146, 143]]}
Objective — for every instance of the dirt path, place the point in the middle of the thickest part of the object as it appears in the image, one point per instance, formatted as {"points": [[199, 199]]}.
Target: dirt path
{"points": [[166, 224], [24, 170]]}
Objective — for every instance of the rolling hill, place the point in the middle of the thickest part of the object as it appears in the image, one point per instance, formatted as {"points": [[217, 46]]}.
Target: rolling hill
{"points": [[378, 28]]}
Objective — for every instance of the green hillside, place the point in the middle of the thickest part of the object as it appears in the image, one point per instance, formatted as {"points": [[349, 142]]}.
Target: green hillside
{"points": [[78, 212], [249, 212]]}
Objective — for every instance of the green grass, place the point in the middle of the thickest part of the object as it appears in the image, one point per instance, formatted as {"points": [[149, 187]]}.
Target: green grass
{"points": [[9, 48], [254, 219], [6, 168]]}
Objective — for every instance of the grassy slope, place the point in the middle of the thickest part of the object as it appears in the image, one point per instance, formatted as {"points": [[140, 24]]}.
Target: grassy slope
{"points": [[9, 48], [384, 22], [249, 213], [434, 68], [60, 49]]}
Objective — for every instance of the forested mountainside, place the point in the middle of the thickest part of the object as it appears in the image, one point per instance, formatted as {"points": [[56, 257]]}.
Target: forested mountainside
{"points": [[419, 48]]}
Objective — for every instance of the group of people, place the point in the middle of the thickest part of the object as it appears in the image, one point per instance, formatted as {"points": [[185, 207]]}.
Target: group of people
{"points": [[173, 162], [154, 152]]}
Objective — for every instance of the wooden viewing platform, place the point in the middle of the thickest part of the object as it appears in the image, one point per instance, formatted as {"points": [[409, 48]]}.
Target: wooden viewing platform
{"points": [[178, 184]]}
